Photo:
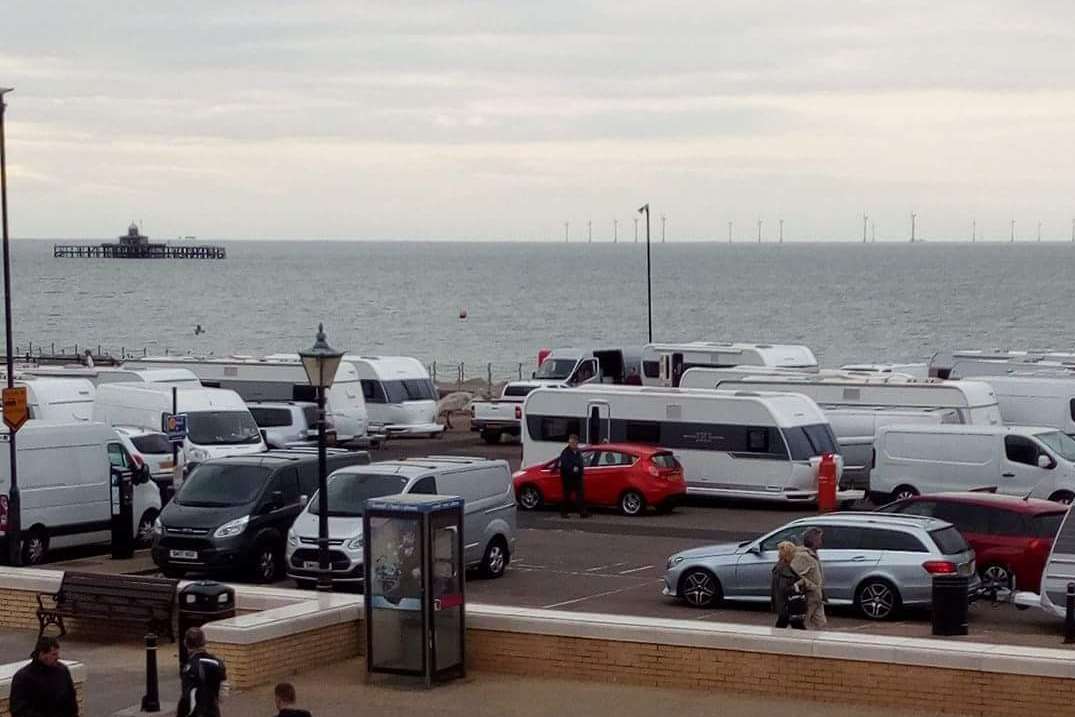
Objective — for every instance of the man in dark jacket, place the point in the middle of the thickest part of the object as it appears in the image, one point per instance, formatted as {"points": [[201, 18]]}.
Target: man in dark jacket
{"points": [[571, 478], [285, 701], [201, 679], [44, 687]]}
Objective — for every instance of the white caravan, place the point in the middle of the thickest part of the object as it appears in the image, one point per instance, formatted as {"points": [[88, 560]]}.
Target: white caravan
{"points": [[968, 363], [741, 444], [1016, 460], [277, 378], [58, 400], [1036, 400], [972, 401], [218, 421], [113, 374], [898, 371], [65, 485], [400, 395], [1059, 571], [664, 364]]}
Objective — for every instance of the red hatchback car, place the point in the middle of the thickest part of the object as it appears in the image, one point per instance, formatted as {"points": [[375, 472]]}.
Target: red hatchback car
{"points": [[620, 475], [1011, 537]]}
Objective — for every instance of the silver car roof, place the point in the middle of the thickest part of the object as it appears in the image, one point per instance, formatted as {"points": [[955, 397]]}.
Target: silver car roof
{"points": [[892, 520]]}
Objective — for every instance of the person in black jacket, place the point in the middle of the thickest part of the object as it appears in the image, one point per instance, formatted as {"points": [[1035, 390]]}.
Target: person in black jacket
{"points": [[571, 478], [44, 687], [201, 679], [284, 695]]}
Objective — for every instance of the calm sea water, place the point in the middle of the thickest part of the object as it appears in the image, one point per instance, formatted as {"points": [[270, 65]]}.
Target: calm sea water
{"points": [[849, 302]]}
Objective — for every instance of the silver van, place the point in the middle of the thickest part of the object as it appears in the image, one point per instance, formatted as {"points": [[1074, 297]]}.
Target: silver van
{"points": [[484, 485]]}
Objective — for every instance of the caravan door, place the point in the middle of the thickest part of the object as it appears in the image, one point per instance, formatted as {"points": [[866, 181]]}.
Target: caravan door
{"points": [[598, 420]]}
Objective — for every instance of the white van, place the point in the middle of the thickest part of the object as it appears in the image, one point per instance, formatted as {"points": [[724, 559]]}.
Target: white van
{"points": [[58, 400], [65, 486], [1035, 400], [280, 377], [488, 522], [741, 444], [218, 421], [665, 364], [113, 374], [400, 396], [1017, 460], [972, 401], [1059, 571]]}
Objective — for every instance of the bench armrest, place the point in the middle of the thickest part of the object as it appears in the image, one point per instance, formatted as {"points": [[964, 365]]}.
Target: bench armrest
{"points": [[54, 599]]}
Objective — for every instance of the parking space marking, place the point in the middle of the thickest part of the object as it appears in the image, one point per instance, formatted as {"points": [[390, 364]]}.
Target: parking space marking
{"points": [[584, 598], [635, 570]]}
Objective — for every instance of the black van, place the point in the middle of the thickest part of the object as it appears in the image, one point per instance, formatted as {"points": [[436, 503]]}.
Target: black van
{"points": [[232, 514]]}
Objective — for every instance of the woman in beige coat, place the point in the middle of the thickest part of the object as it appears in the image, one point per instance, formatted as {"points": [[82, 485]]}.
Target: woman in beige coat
{"points": [[811, 578]]}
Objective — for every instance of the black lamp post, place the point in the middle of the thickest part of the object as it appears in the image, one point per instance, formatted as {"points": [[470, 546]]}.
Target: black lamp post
{"points": [[649, 281], [14, 505], [321, 362]]}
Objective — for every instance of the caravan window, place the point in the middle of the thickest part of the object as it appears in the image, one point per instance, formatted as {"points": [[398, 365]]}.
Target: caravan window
{"points": [[553, 428], [372, 391], [648, 432], [805, 442], [555, 369], [652, 369], [410, 389]]}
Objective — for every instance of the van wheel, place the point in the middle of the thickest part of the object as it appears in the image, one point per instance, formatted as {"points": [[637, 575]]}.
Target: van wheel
{"points": [[530, 497], [632, 503], [266, 562], [700, 588], [1062, 496], [496, 558], [491, 437], [877, 599], [904, 491], [35, 546], [145, 529]]}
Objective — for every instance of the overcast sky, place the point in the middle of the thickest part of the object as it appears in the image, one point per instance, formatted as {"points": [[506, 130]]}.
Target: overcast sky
{"points": [[502, 120]]}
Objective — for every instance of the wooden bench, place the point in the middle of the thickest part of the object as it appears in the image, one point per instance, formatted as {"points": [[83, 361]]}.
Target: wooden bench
{"points": [[129, 599]]}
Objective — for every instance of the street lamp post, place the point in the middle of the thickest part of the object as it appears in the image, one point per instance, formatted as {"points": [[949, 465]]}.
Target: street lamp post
{"points": [[321, 362], [649, 280], [14, 507]]}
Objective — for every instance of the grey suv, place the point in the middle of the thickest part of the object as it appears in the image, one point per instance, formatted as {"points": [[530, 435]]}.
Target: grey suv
{"points": [[877, 563]]}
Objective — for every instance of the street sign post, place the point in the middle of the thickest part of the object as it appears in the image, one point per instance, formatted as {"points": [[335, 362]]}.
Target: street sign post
{"points": [[175, 425], [16, 412]]}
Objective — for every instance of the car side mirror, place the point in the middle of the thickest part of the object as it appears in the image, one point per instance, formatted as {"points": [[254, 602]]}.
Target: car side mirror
{"points": [[304, 500], [1046, 462], [755, 549], [141, 475]]}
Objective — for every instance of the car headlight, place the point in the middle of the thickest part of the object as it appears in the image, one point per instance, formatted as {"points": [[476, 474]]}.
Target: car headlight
{"points": [[292, 539], [673, 561], [232, 527], [354, 543], [197, 455]]}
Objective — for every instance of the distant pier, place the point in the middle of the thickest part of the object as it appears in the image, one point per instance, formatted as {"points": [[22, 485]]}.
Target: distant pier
{"points": [[135, 245]]}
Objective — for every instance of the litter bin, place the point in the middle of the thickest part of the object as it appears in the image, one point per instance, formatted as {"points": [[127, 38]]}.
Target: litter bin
{"points": [[202, 602], [950, 601]]}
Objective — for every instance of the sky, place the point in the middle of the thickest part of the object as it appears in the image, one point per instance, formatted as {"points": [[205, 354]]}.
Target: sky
{"points": [[501, 121]]}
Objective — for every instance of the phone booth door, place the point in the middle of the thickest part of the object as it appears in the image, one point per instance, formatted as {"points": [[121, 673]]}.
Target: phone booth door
{"points": [[395, 594], [447, 592]]}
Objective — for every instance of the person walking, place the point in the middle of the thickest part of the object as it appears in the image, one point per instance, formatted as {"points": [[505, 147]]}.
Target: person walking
{"points": [[201, 678], [284, 695], [789, 603], [44, 687], [571, 478], [807, 565]]}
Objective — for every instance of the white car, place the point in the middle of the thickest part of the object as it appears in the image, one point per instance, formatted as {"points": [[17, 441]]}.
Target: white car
{"points": [[155, 451]]}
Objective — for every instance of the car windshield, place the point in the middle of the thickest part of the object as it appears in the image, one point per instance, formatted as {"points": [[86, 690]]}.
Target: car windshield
{"points": [[348, 492], [949, 540], [215, 428], [555, 369], [409, 389], [1059, 443], [152, 443], [212, 485]]}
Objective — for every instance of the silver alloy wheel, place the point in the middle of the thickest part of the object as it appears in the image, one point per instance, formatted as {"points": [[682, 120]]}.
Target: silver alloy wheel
{"points": [[997, 576], [699, 588], [495, 559], [877, 601], [35, 548], [145, 528], [904, 491], [631, 503], [266, 564], [529, 497]]}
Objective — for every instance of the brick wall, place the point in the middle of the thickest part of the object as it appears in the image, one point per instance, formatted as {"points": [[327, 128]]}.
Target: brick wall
{"points": [[965, 692], [18, 609], [264, 662], [5, 707]]}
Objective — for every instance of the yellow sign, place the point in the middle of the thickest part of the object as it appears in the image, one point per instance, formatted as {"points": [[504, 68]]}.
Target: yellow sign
{"points": [[16, 411]]}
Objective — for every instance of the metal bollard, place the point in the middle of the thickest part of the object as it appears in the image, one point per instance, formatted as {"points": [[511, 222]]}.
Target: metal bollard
{"points": [[151, 701], [1069, 616]]}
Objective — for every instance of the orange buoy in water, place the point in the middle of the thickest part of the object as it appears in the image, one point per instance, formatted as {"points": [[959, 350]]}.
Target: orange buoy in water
{"points": [[463, 313]]}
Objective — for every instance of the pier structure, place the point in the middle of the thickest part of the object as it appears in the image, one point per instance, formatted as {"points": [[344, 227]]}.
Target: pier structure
{"points": [[135, 245]]}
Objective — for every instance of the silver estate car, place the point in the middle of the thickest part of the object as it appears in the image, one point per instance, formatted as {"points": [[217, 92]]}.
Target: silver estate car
{"points": [[877, 562]]}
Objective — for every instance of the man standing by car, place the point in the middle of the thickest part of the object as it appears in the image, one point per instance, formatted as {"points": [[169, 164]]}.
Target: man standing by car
{"points": [[571, 478], [811, 579]]}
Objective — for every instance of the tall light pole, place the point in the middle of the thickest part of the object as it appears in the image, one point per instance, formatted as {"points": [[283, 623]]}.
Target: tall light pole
{"points": [[321, 362], [649, 280], [914, 218], [14, 502]]}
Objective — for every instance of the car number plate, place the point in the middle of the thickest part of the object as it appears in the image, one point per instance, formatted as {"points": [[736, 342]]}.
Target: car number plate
{"points": [[183, 554], [310, 565]]}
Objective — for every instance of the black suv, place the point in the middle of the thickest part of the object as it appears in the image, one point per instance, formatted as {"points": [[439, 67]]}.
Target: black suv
{"points": [[232, 514]]}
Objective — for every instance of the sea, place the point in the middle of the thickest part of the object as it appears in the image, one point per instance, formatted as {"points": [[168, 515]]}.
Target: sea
{"points": [[849, 302]]}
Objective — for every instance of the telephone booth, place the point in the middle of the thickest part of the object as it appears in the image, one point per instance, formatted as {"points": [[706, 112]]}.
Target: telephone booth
{"points": [[415, 612]]}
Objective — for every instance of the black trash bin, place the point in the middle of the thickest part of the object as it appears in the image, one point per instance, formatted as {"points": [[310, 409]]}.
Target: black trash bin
{"points": [[951, 599], [202, 602]]}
